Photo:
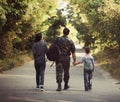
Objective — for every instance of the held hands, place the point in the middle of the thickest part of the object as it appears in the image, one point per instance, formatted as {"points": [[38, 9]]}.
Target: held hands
{"points": [[74, 63]]}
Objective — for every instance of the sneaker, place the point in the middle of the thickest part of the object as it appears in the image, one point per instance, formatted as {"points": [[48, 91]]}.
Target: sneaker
{"points": [[41, 87]]}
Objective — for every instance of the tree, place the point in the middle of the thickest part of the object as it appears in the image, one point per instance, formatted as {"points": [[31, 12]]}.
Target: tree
{"points": [[12, 12], [102, 22], [56, 23], [20, 20]]}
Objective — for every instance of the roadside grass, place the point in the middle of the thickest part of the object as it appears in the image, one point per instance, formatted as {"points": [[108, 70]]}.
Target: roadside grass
{"points": [[113, 69], [110, 61], [17, 60]]}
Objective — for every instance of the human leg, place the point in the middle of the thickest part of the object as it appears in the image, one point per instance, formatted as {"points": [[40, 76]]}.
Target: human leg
{"points": [[42, 72], [66, 66], [59, 72], [37, 69], [86, 80], [90, 79]]}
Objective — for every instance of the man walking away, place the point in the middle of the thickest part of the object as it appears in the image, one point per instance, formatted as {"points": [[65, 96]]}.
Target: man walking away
{"points": [[67, 48]]}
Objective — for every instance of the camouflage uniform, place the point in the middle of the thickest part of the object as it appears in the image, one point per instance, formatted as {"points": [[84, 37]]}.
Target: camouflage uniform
{"points": [[63, 62]]}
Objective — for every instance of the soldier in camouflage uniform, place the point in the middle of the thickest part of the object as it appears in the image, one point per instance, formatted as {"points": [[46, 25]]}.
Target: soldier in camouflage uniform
{"points": [[67, 48]]}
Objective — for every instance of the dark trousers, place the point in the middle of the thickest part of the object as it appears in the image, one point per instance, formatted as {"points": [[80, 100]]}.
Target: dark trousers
{"points": [[87, 79], [40, 70], [62, 67]]}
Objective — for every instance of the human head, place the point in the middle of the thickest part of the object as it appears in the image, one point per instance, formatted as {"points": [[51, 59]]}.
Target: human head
{"points": [[38, 37], [66, 31], [87, 50]]}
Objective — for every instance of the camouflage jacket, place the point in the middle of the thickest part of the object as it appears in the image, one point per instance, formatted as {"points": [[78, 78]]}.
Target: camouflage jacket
{"points": [[66, 45]]}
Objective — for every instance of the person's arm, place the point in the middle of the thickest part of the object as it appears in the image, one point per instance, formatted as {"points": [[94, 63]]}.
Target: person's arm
{"points": [[93, 67], [34, 49], [76, 63], [74, 58], [46, 50], [79, 62], [72, 49], [93, 64]]}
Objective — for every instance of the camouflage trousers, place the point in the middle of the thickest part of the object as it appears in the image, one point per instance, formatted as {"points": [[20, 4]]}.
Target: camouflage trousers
{"points": [[62, 69]]}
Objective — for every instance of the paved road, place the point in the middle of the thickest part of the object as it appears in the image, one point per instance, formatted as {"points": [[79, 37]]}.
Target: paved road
{"points": [[18, 85]]}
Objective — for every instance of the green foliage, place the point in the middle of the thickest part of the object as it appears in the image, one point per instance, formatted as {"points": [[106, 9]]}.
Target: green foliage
{"points": [[102, 22], [21, 19], [2, 15], [109, 61], [16, 59], [13, 60], [56, 23], [117, 1], [17, 44], [14, 11]]}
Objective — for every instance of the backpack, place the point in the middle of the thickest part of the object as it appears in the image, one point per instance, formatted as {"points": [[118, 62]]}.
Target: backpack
{"points": [[88, 64], [53, 52]]}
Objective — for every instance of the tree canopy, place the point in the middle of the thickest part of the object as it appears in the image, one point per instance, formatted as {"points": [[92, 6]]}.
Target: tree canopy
{"points": [[19, 20], [96, 21]]}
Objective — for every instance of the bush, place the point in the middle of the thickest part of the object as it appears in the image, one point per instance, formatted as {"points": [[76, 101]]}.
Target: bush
{"points": [[17, 43], [110, 62], [14, 60]]}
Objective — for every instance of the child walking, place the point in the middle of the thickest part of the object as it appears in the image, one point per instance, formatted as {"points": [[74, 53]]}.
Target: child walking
{"points": [[88, 62]]}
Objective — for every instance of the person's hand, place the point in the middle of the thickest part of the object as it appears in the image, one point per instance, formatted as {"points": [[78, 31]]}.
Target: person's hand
{"points": [[74, 63]]}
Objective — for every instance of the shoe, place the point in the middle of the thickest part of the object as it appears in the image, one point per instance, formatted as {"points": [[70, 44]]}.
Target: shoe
{"points": [[86, 89], [59, 87], [66, 87], [42, 89], [90, 87]]}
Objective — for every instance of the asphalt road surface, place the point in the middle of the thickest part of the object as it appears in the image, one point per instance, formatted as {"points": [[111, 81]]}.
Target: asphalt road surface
{"points": [[18, 85]]}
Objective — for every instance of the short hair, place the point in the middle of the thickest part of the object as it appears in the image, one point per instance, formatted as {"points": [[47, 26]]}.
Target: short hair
{"points": [[38, 37], [66, 31], [87, 50]]}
